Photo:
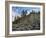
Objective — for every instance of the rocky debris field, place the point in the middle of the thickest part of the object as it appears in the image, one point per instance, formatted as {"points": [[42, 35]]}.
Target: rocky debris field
{"points": [[23, 27]]}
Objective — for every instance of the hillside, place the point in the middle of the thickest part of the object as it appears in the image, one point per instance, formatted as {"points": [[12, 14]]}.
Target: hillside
{"points": [[29, 22]]}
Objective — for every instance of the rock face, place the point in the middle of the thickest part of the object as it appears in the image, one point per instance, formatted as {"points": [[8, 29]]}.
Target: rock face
{"points": [[29, 22]]}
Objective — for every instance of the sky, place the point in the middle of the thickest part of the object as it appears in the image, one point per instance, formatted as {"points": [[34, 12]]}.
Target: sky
{"points": [[18, 10]]}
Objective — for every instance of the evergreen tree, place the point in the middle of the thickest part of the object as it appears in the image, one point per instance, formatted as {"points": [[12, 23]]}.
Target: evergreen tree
{"points": [[24, 13], [39, 12]]}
